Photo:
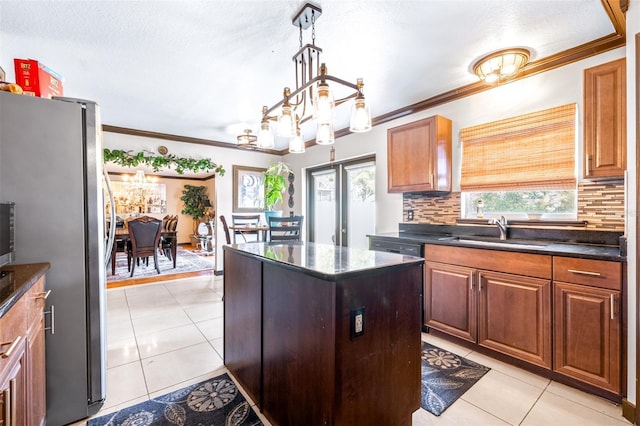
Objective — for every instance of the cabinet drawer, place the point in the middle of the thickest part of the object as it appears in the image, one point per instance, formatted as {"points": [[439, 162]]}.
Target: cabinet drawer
{"points": [[393, 247], [527, 264], [596, 273], [12, 326]]}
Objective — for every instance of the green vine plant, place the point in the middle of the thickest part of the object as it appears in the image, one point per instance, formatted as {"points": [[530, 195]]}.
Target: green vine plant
{"points": [[157, 162]]}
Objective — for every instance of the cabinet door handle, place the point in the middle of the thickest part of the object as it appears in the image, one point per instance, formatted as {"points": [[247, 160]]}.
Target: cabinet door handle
{"points": [[431, 181], [43, 295], [471, 283], [579, 272], [52, 312], [7, 405], [14, 401], [587, 165], [13, 346], [612, 305]]}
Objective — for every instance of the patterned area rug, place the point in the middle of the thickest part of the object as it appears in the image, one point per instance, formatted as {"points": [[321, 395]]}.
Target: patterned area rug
{"points": [[214, 402], [445, 377], [186, 262]]}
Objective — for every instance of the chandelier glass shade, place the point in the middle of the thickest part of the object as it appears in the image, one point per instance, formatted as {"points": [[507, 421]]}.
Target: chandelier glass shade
{"points": [[502, 65], [296, 144], [246, 139], [325, 134], [312, 98]]}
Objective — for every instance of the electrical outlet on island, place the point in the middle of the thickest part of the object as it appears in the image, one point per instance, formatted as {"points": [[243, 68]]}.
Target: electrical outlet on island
{"points": [[357, 322]]}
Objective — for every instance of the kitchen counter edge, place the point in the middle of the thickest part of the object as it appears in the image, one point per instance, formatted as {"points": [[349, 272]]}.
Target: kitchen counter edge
{"points": [[553, 248], [24, 277]]}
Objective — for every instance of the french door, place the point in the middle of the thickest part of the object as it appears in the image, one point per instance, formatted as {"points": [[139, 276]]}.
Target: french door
{"points": [[341, 202]]}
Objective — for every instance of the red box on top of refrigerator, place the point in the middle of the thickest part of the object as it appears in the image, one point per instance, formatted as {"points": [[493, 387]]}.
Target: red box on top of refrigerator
{"points": [[36, 79]]}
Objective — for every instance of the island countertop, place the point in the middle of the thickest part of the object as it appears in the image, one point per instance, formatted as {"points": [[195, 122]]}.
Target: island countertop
{"points": [[324, 261]]}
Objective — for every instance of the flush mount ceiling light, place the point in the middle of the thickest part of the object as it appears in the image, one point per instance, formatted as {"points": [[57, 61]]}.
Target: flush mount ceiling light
{"points": [[502, 65], [247, 140], [312, 97]]}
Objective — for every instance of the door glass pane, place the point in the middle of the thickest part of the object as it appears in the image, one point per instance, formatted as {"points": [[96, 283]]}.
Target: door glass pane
{"points": [[361, 208], [324, 206]]}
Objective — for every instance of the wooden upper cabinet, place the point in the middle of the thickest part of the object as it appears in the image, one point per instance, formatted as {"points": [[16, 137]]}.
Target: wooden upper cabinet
{"points": [[605, 120], [419, 156]]}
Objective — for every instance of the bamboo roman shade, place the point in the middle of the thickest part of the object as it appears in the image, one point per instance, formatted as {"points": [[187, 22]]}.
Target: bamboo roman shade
{"points": [[530, 151]]}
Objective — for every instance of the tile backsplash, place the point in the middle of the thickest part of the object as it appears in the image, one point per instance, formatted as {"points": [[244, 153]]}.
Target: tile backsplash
{"points": [[601, 204]]}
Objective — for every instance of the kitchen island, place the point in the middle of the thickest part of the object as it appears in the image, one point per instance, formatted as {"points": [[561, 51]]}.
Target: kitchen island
{"points": [[324, 335]]}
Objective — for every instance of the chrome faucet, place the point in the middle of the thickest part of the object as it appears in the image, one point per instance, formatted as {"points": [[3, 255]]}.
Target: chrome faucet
{"points": [[502, 226]]}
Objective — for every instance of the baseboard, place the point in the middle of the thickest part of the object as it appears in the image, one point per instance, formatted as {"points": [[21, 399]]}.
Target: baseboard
{"points": [[628, 411]]}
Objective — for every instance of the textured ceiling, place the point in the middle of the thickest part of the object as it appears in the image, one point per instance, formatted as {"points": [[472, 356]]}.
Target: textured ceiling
{"points": [[204, 69]]}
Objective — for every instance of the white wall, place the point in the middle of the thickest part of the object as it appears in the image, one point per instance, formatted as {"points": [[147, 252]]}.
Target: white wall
{"points": [[633, 27]]}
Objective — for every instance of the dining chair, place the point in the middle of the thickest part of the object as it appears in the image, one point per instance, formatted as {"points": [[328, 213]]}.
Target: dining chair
{"points": [[285, 228], [245, 220], [166, 243], [226, 229], [144, 237]]}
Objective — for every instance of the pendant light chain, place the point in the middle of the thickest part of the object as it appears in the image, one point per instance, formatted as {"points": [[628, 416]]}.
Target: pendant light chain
{"points": [[300, 47], [313, 28]]}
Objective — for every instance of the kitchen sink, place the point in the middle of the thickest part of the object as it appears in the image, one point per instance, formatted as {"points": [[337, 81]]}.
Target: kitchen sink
{"points": [[497, 243]]}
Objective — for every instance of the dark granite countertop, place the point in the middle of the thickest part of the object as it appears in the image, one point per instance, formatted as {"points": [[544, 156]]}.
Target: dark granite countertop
{"points": [[578, 249], [17, 280], [324, 261]]}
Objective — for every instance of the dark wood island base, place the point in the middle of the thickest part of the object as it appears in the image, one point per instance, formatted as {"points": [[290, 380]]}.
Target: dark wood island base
{"points": [[291, 332]]}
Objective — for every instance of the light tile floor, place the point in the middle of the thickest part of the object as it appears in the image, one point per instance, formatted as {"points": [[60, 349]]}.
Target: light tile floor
{"points": [[167, 335]]}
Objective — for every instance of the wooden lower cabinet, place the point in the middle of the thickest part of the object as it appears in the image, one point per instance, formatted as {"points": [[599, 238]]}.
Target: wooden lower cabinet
{"points": [[13, 387], [504, 312], [450, 302], [587, 334], [574, 303], [514, 316], [22, 363], [588, 321]]}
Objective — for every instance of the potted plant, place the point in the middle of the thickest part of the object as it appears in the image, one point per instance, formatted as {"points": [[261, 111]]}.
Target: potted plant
{"points": [[275, 184], [196, 202]]}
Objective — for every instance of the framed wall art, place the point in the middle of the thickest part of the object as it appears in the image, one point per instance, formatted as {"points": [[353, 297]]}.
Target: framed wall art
{"points": [[248, 189]]}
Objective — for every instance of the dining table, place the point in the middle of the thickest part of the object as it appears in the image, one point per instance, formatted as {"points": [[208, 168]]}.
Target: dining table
{"points": [[122, 234], [245, 229]]}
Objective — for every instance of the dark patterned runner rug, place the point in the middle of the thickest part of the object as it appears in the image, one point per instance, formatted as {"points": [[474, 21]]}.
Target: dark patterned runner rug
{"points": [[186, 261], [445, 377], [214, 402]]}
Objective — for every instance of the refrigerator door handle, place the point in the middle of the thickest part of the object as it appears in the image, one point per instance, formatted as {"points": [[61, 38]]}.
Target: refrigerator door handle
{"points": [[112, 216]]}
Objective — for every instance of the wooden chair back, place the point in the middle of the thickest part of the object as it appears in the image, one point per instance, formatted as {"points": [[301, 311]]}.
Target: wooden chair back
{"points": [[226, 229], [252, 219], [285, 228], [144, 236]]}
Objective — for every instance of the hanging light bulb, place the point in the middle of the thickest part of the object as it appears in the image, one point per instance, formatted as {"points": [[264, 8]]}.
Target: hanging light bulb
{"points": [[296, 144], [360, 113], [265, 137], [325, 134], [286, 123], [323, 104], [323, 101]]}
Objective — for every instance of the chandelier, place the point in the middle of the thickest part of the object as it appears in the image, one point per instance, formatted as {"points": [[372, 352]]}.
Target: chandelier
{"points": [[502, 65], [139, 185], [312, 97]]}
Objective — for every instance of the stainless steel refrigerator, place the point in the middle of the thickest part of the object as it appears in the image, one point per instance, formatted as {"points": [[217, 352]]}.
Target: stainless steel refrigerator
{"points": [[51, 167]]}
